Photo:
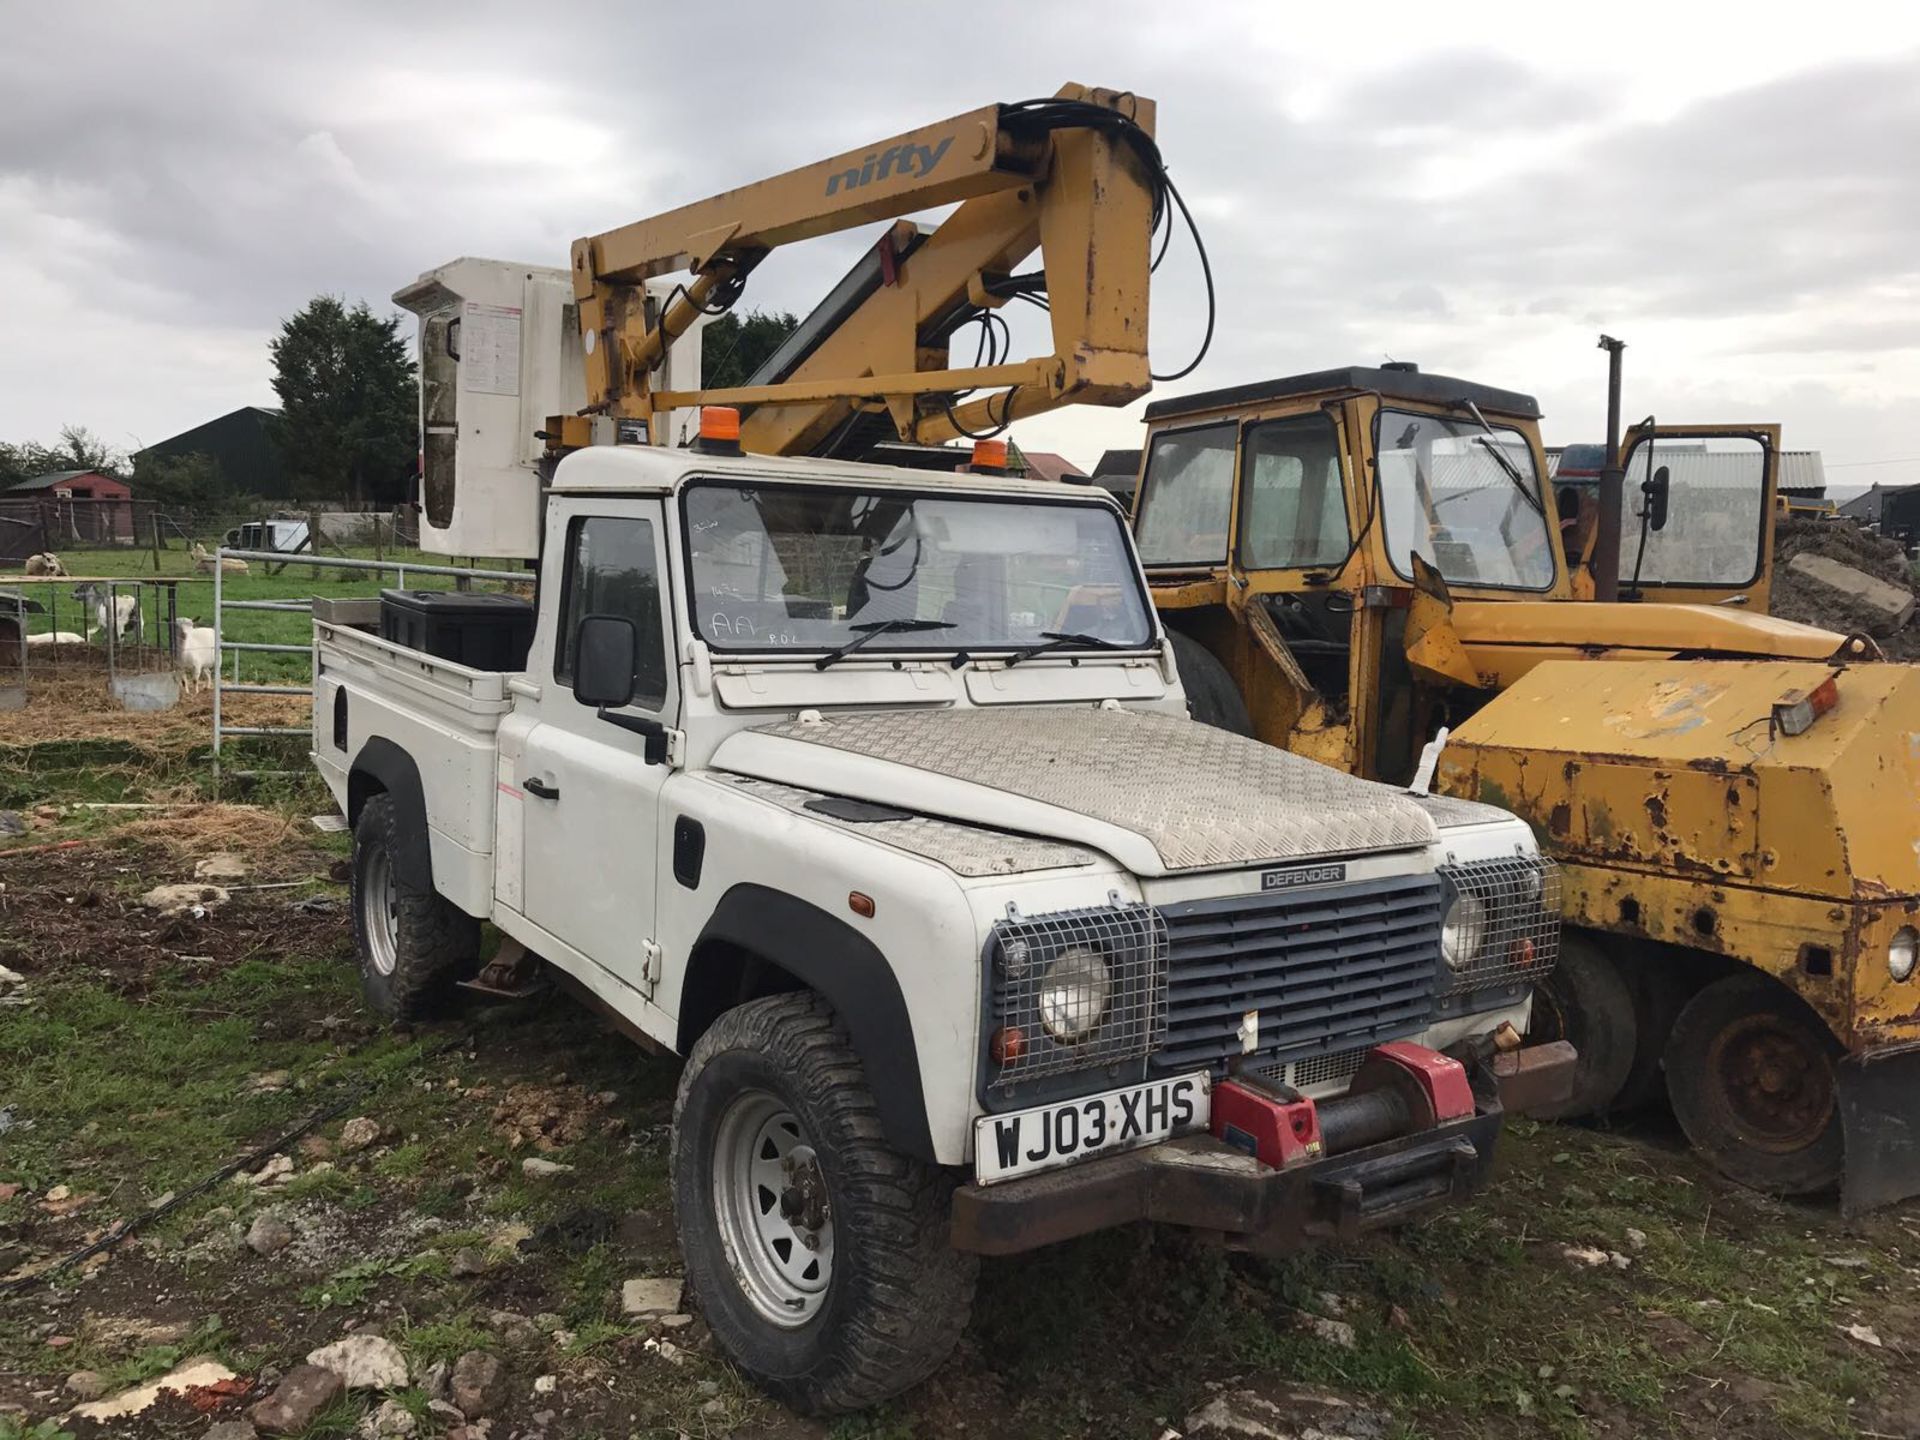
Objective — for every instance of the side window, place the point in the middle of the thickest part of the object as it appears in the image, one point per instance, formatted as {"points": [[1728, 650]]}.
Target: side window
{"points": [[1186, 497], [611, 571], [1295, 511]]}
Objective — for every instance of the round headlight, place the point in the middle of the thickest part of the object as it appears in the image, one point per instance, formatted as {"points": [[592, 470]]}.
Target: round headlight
{"points": [[1901, 951], [1463, 930], [1073, 996], [1015, 955]]}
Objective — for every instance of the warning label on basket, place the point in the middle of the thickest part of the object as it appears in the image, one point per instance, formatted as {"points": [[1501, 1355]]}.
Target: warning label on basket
{"points": [[489, 347]]}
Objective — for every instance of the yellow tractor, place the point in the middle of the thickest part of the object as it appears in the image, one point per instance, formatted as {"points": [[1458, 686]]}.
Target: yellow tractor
{"points": [[1369, 566]]}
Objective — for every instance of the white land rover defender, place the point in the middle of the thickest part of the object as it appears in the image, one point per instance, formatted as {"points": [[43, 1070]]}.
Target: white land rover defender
{"points": [[872, 792]]}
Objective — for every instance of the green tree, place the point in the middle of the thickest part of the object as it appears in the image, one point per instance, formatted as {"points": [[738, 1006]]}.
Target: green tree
{"points": [[79, 449], [187, 482], [733, 346], [348, 423]]}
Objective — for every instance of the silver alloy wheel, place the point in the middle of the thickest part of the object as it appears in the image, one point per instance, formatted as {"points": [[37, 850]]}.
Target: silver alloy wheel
{"points": [[770, 1199], [380, 910]]}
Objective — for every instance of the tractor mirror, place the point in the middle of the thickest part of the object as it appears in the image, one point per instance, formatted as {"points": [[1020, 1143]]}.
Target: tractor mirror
{"points": [[603, 661], [1655, 490]]}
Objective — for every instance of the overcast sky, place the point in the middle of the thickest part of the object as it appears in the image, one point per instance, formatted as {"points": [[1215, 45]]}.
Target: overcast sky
{"points": [[1734, 192]]}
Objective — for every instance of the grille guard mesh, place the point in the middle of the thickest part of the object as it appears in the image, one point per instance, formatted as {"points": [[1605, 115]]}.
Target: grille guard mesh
{"points": [[1521, 928], [1132, 942]]}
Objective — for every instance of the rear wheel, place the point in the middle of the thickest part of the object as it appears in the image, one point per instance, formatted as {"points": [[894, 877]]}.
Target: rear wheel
{"points": [[816, 1251], [1212, 697], [1750, 1070], [414, 944], [1659, 991], [1586, 1001]]}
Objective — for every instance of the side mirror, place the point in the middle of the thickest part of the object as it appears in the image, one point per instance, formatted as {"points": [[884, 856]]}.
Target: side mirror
{"points": [[1655, 490], [603, 649]]}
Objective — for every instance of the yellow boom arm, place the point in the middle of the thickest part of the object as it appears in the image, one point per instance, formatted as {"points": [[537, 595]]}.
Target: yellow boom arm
{"points": [[1076, 178]]}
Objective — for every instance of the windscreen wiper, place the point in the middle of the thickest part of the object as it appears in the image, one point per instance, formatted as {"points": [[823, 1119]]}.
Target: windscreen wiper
{"points": [[1492, 444], [866, 632], [1056, 639]]}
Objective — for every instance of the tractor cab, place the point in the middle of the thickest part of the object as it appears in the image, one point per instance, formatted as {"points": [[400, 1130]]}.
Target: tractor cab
{"points": [[1288, 528]]}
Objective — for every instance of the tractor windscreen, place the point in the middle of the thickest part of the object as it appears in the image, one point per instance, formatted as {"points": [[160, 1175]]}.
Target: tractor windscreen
{"points": [[1465, 500], [809, 568], [1186, 497]]}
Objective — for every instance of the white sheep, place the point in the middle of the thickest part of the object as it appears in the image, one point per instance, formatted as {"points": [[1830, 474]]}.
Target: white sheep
{"points": [[121, 613], [57, 637], [45, 563], [206, 562], [196, 651]]}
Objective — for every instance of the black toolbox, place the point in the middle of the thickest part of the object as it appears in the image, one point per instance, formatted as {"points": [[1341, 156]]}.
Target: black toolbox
{"points": [[481, 629]]}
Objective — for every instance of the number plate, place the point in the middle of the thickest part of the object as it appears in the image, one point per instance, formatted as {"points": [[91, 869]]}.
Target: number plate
{"points": [[1005, 1146]]}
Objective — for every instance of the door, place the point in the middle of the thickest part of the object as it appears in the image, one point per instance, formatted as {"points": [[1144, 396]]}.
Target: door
{"points": [[591, 800], [1714, 545]]}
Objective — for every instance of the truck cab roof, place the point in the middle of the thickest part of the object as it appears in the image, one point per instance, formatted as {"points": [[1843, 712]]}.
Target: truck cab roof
{"points": [[655, 469]]}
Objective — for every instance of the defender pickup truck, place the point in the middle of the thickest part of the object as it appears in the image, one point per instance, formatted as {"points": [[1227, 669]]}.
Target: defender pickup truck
{"points": [[873, 793]]}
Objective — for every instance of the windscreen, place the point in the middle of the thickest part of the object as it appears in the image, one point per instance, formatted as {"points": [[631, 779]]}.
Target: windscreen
{"points": [[1716, 499], [1186, 496], [811, 568], [1447, 496]]}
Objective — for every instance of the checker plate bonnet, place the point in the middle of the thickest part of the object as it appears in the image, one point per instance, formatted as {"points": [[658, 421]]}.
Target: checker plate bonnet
{"points": [[1201, 797]]}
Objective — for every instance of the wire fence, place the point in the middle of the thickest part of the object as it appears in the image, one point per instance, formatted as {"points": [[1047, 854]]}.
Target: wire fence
{"points": [[66, 526]]}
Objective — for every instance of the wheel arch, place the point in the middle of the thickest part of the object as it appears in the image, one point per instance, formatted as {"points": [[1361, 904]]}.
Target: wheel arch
{"points": [[383, 768], [761, 941]]}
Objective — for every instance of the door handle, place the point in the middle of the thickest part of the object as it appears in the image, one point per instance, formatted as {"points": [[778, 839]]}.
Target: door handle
{"points": [[541, 788]]}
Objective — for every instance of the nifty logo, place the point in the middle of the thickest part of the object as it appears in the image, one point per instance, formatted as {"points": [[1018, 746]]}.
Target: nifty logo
{"points": [[903, 159]]}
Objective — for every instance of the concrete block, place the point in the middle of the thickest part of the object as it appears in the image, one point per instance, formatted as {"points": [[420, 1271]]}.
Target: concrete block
{"points": [[1890, 605]]}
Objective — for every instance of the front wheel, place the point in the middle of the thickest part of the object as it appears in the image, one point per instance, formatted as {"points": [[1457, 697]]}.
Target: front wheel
{"points": [[1750, 1071], [1585, 1000], [816, 1251]]}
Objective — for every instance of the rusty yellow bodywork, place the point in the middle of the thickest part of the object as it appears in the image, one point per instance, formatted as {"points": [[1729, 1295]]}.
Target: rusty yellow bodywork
{"points": [[1637, 738], [1683, 815]]}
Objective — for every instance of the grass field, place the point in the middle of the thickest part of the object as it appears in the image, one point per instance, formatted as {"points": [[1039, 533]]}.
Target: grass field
{"points": [[149, 1052]]}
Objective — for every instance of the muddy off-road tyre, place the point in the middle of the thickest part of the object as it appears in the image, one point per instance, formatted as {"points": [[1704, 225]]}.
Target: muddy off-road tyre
{"points": [[1586, 1000], [1212, 697], [817, 1253], [1659, 991], [414, 945], [1750, 1070]]}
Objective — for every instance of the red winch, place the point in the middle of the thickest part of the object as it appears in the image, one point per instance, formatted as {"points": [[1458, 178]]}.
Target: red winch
{"points": [[1400, 1088]]}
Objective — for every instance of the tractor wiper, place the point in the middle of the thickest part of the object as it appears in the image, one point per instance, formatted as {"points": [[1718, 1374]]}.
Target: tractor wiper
{"points": [[1057, 639], [873, 628], [1492, 444]]}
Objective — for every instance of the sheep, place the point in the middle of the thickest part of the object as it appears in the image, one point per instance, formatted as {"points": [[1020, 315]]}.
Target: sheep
{"points": [[59, 637], [196, 651], [206, 562], [45, 563], [120, 612]]}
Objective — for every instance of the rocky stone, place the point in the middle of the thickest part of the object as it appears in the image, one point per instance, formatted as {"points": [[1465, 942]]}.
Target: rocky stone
{"points": [[1636, 1239], [1331, 1332], [303, 1394], [269, 1235], [86, 1384], [1286, 1414], [269, 1082], [651, 1297], [1583, 1257], [476, 1387], [434, 1382], [363, 1362], [221, 865], [675, 1322], [545, 1384], [389, 1418], [548, 1323], [358, 1133], [231, 1430], [276, 1171], [516, 1330], [191, 901], [466, 1263], [535, 1168], [200, 1370], [446, 1411]]}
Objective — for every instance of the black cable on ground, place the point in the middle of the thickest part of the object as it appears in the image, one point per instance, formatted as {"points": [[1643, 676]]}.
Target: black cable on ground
{"points": [[356, 1093]]}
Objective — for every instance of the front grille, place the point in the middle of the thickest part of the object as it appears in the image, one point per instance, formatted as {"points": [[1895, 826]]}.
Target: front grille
{"points": [[1316, 1070], [1512, 910], [1301, 973], [1030, 954]]}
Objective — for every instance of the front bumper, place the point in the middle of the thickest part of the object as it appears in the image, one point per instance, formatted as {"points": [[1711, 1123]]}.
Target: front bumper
{"points": [[1205, 1184]]}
